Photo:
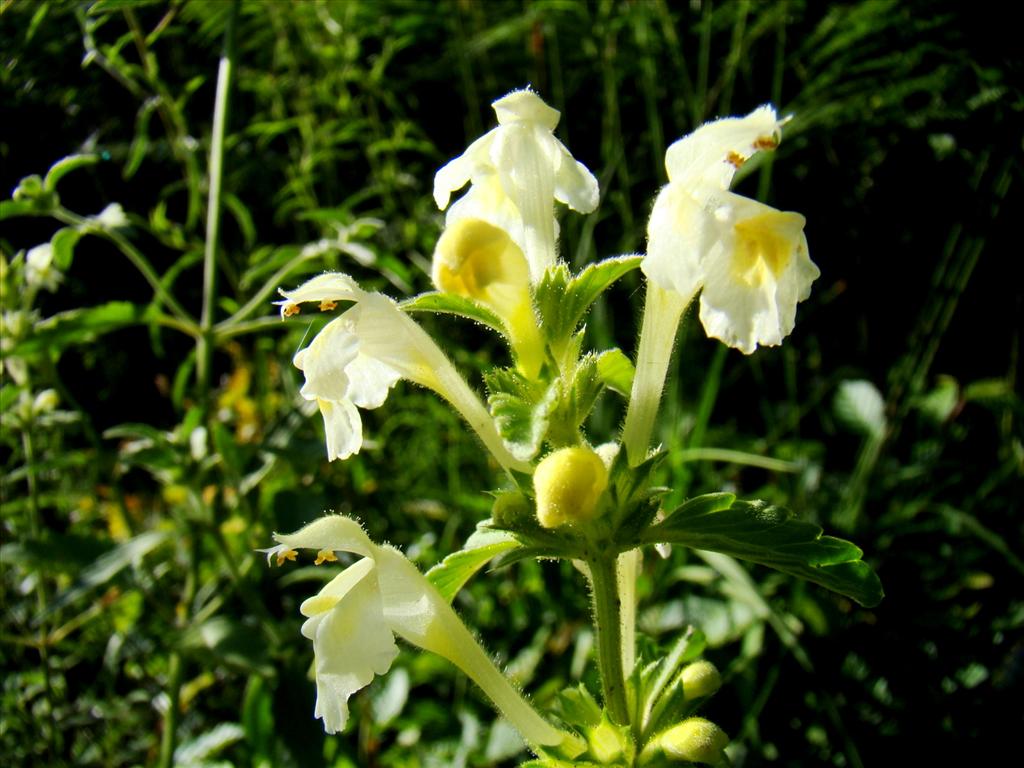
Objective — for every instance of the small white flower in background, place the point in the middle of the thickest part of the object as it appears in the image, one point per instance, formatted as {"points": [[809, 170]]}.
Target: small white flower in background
{"points": [[45, 402], [111, 217], [353, 622], [749, 261], [39, 269], [522, 159], [359, 356]]}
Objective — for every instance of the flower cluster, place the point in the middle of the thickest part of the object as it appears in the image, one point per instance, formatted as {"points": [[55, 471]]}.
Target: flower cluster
{"points": [[497, 262]]}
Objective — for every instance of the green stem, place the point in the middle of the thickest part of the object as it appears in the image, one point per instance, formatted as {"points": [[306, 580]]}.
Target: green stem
{"points": [[35, 531], [167, 740], [662, 311], [204, 348], [134, 255], [176, 665], [608, 627]]}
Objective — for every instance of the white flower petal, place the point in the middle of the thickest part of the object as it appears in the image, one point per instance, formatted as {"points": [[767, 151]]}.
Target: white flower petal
{"points": [[712, 153], [525, 106], [330, 286], [455, 174], [343, 427], [326, 359], [352, 641], [752, 288], [575, 185], [333, 532], [370, 381], [680, 236]]}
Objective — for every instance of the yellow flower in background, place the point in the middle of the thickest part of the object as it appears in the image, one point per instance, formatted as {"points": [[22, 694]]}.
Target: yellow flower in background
{"points": [[353, 622], [359, 356], [748, 260], [524, 169]]}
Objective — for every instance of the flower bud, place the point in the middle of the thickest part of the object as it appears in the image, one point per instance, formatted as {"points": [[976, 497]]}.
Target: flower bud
{"points": [[700, 679], [568, 484], [696, 740]]}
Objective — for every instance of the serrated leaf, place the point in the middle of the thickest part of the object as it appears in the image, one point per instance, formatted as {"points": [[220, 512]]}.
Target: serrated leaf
{"points": [[772, 536], [77, 326], [63, 243], [451, 574], [616, 371], [452, 304], [861, 407], [548, 297], [521, 410], [65, 166]]}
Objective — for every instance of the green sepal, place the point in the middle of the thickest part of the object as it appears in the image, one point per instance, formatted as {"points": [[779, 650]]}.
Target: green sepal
{"points": [[483, 545], [772, 536], [453, 304]]}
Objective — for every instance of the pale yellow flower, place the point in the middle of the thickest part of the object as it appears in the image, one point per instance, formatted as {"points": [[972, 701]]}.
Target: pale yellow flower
{"points": [[528, 169], [749, 261], [359, 356], [353, 622]]}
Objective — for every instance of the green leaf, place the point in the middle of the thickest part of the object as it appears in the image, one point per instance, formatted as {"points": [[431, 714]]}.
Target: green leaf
{"points": [[8, 396], [772, 536], [452, 304], [106, 567], [562, 302], [63, 243], [238, 644], [112, 6], [616, 371], [198, 751], [78, 326], [65, 166], [585, 289], [12, 208], [451, 574]]}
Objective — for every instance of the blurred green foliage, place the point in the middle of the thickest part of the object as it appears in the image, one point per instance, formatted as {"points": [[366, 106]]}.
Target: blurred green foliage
{"points": [[135, 607]]}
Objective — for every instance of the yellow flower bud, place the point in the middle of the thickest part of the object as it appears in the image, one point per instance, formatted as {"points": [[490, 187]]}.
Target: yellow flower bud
{"points": [[696, 740], [700, 679], [568, 484]]}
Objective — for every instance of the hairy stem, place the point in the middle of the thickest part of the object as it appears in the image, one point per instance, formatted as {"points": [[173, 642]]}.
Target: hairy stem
{"points": [[608, 628]]}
